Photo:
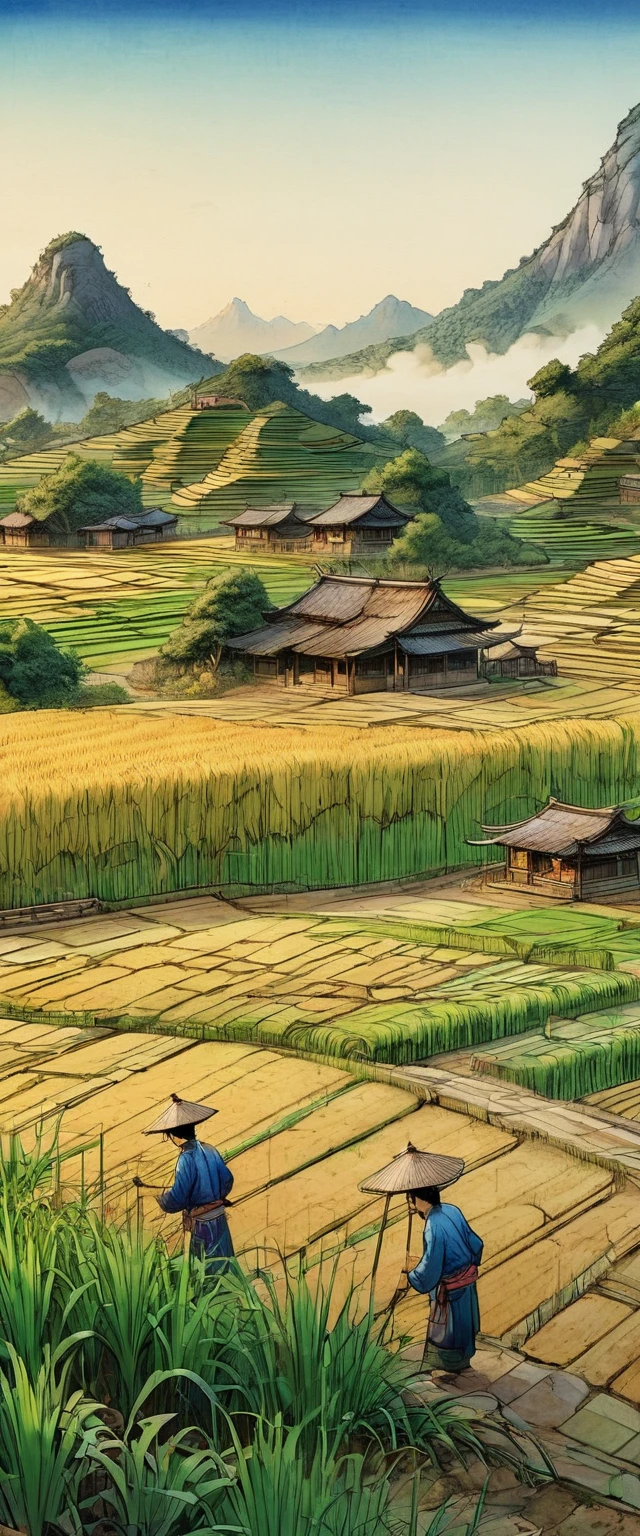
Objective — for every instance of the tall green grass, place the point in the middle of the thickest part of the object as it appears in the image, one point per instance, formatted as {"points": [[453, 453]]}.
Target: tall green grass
{"points": [[140, 1394]]}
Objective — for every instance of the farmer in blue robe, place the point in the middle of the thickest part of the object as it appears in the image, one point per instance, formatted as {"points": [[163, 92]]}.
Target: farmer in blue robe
{"points": [[201, 1186], [447, 1272]]}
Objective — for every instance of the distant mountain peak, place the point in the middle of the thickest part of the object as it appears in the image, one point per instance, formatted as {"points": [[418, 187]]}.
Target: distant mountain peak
{"points": [[236, 329], [586, 271], [73, 329], [389, 317]]}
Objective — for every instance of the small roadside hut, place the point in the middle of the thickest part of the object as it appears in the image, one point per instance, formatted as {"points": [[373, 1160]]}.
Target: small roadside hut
{"points": [[570, 852], [362, 634], [23, 531], [278, 529], [357, 524], [517, 658]]}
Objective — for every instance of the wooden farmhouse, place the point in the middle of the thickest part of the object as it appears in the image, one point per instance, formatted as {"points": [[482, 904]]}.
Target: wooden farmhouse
{"points": [[118, 532], [569, 852], [358, 634], [279, 529], [22, 531], [630, 488], [517, 658], [357, 524]]}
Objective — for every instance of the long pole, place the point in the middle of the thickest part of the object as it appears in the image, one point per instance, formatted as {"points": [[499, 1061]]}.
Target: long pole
{"points": [[383, 1223]]}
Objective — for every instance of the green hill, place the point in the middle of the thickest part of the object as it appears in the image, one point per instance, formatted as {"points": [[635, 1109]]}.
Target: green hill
{"points": [[281, 455], [209, 464], [73, 329]]}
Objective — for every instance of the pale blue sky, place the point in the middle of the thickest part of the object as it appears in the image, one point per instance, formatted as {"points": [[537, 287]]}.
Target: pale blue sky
{"points": [[307, 165]]}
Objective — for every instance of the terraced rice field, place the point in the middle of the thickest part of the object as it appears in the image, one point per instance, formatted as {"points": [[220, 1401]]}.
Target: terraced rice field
{"points": [[280, 455], [591, 623], [210, 464], [300, 1135], [118, 608], [588, 482], [576, 541]]}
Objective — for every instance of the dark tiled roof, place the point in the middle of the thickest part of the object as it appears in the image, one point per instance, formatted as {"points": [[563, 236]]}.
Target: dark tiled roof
{"points": [[346, 616], [563, 829], [373, 510], [445, 644], [264, 517]]}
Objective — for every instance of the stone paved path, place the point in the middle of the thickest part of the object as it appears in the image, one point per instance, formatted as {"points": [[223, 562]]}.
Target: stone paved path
{"points": [[592, 1438], [587, 1131]]}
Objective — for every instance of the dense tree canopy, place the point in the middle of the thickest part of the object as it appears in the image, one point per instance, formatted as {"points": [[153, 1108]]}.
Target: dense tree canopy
{"points": [[228, 606], [25, 433], [109, 414], [36, 671], [408, 428], [81, 491], [412, 482]]}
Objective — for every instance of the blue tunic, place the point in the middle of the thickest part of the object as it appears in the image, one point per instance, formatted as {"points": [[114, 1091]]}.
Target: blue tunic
{"points": [[449, 1246], [202, 1176]]}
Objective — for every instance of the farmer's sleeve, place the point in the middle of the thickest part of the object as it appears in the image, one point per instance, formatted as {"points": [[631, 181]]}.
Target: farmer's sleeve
{"points": [[178, 1198], [428, 1271]]}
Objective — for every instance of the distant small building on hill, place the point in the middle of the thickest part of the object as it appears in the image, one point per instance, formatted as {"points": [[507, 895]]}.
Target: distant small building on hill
{"points": [[118, 532], [205, 402], [279, 529], [360, 634], [22, 531], [630, 488], [570, 852]]}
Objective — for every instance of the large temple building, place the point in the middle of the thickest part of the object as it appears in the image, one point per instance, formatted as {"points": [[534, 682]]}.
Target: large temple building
{"points": [[570, 852], [360, 634]]}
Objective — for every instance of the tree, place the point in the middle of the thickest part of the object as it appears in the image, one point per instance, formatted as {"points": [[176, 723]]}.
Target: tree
{"points": [[349, 410], [109, 414], [256, 380], [425, 544], [411, 481], [26, 432], [408, 428], [229, 606], [81, 491], [36, 671], [548, 380]]}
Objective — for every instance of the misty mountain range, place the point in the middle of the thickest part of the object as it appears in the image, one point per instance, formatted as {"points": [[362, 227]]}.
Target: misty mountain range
{"points": [[236, 329]]}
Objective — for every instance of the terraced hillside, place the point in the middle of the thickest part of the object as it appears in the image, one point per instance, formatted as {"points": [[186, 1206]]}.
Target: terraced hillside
{"points": [[212, 463], [121, 610], [591, 623], [281, 455], [588, 482]]}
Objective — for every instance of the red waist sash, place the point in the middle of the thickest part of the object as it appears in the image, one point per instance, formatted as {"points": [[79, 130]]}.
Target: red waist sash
{"points": [[457, 1282]]}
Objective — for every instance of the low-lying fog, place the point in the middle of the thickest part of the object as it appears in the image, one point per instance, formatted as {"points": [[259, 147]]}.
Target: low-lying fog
{"points": [[417, 381]]}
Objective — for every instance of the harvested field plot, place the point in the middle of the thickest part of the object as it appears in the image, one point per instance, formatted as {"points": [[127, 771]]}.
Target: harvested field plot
{"points": [[299, 1137], [121, 607]]}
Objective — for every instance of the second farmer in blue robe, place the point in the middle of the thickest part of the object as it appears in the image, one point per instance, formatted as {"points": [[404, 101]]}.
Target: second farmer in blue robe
{"points": [[447, 1271]]}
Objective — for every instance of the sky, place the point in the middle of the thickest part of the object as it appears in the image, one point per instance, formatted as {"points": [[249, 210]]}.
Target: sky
{"points": [[308, 158]]}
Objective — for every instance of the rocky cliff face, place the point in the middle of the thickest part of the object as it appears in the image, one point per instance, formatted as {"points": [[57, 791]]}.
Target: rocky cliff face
{"points": [[587, 270], [73, 329]]}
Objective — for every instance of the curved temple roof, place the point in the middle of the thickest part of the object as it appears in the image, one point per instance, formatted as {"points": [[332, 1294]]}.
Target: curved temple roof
{"points": [[565, 829]]}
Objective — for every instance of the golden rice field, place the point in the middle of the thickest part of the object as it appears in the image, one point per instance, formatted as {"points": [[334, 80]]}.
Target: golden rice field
{"points": [[117, 805], [300, 1137]]}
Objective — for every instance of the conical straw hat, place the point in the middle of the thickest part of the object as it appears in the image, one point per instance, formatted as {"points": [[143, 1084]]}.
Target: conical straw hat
{"points": [[414, 1170], [180, 1112]]}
